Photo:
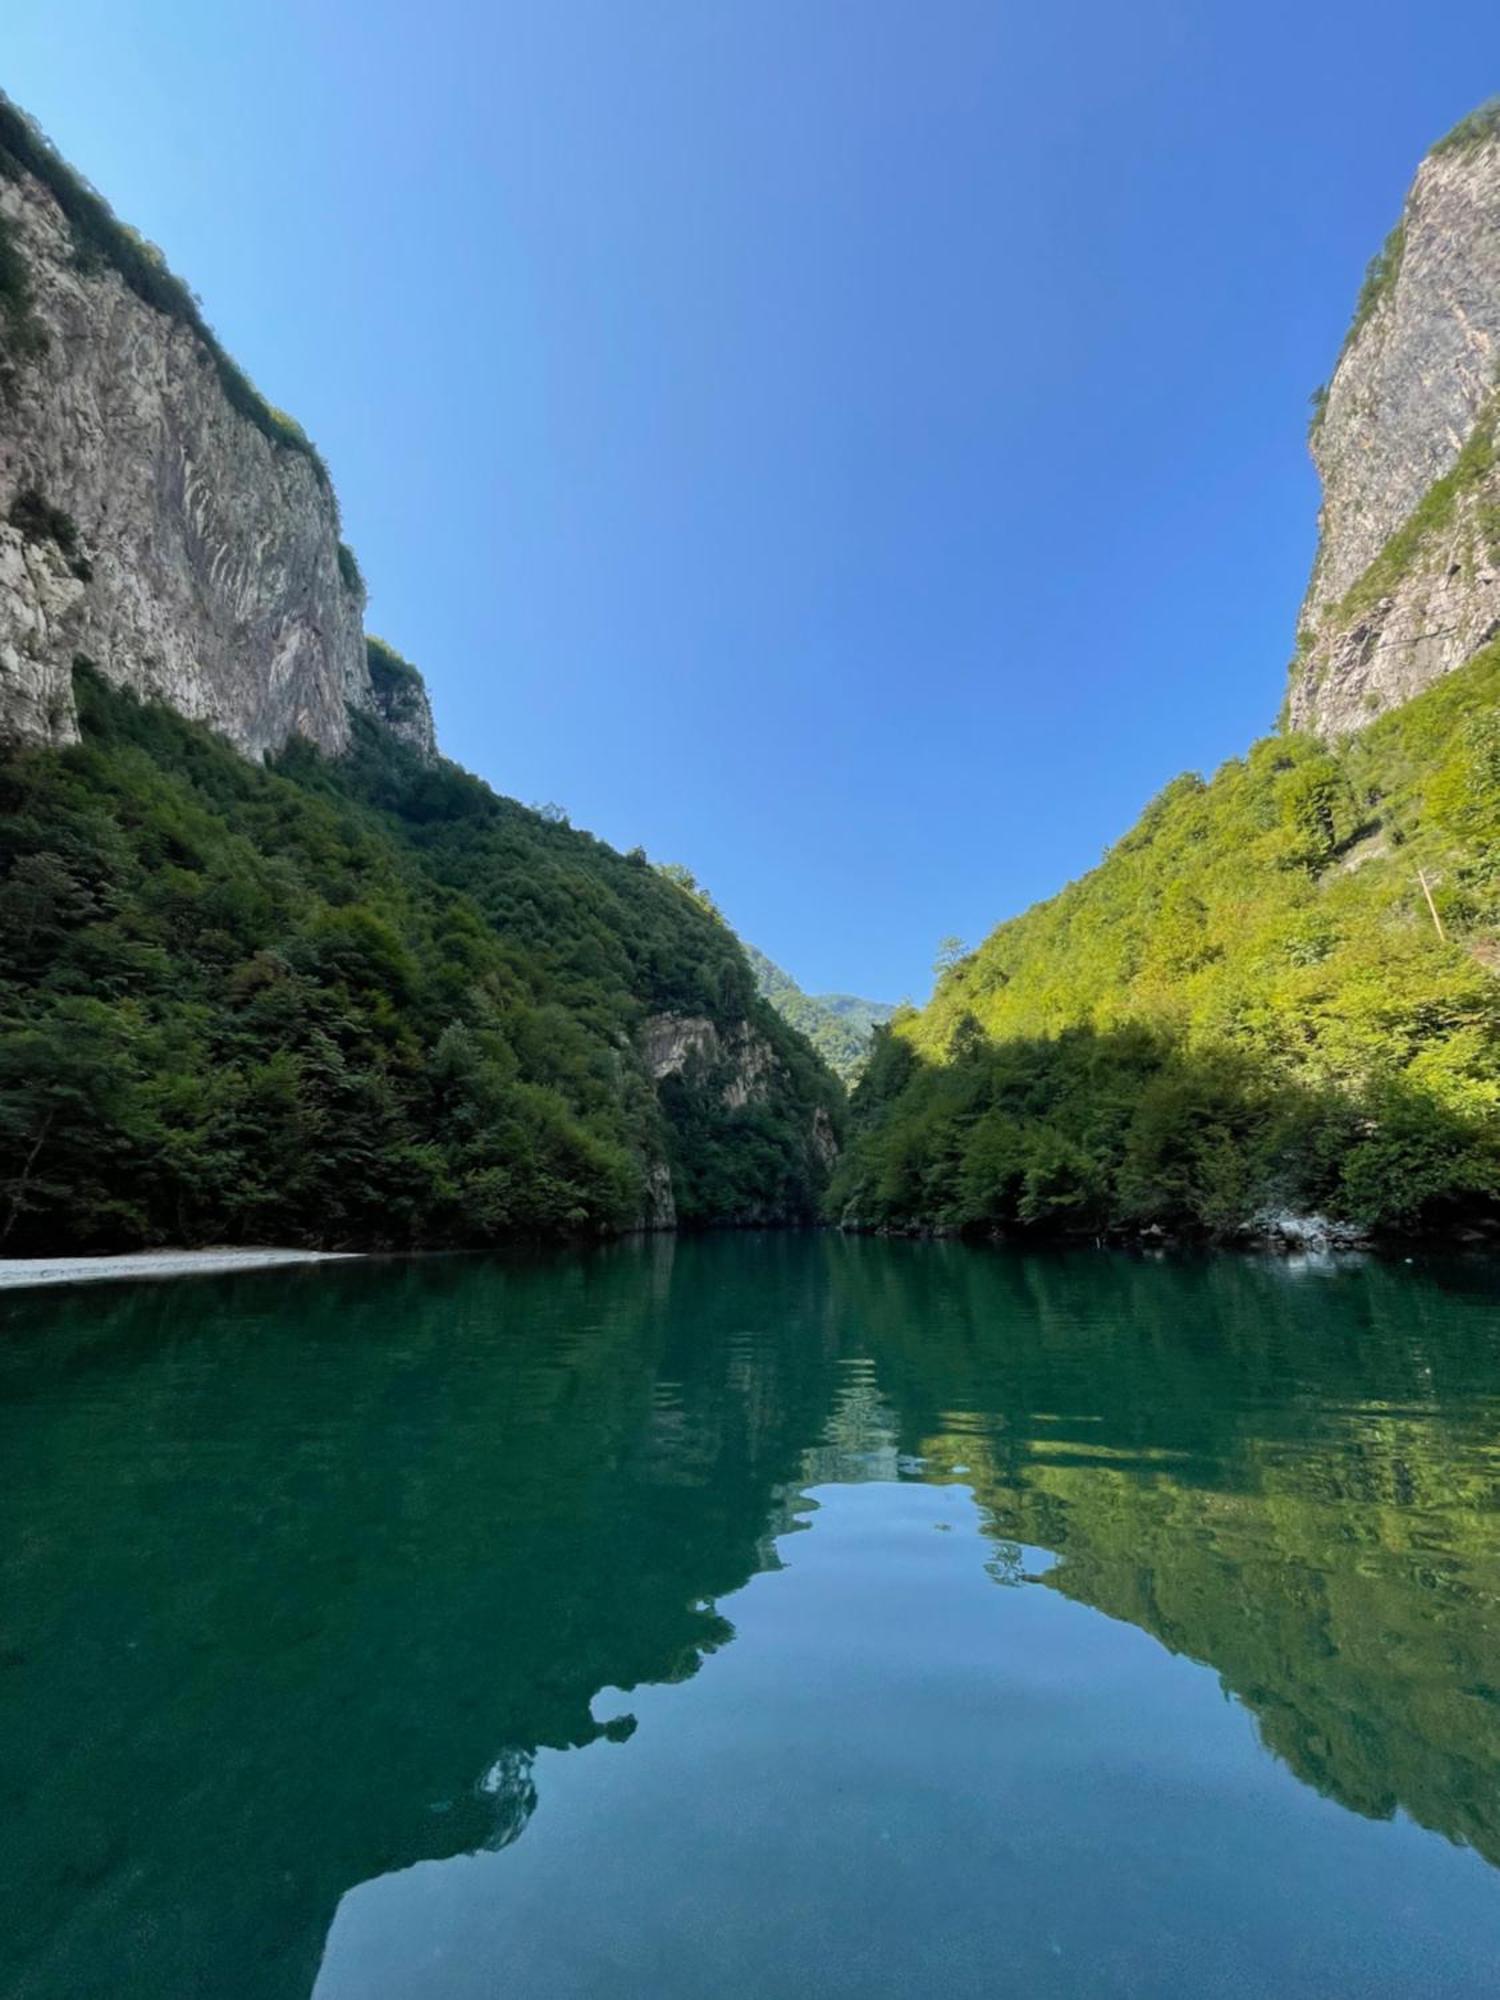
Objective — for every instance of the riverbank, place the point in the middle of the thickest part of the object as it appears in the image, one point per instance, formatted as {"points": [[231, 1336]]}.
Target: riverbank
{"points": [[16, 1272]]}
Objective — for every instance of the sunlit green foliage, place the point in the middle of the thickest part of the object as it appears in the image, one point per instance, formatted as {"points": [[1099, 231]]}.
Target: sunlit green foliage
{"points": [[1475, 130], [355, 1002], [1249, 1003], [350, 573]]}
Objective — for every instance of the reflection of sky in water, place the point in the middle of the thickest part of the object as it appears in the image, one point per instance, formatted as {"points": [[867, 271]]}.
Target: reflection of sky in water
{"points": [[762, 1615], [898, 1778]]}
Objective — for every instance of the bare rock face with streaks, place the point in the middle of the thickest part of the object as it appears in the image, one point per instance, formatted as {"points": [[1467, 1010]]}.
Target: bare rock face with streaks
{"points": [[740, 1062], [149, 527], [1406, 585], [734, 1064], [399, 697]]}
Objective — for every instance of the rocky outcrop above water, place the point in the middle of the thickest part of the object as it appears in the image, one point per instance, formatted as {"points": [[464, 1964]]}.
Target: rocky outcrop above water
{"points": [[724, 1071], [736, 1062], [148, 524], [1406, 585]]}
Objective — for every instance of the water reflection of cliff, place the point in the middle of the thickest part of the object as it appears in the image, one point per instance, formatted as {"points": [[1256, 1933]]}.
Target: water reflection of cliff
{"points": [[302, 1571]]}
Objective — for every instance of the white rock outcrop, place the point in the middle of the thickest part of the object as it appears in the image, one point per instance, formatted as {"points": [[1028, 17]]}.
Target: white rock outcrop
{"points": [[1406, 585], [205, 570], [738, 1059]]}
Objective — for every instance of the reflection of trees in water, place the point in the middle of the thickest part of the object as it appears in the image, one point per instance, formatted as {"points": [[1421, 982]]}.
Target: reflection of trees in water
{"points": [[509, 1782], [859, 1440], [331, 1562], [1293, 1479], [379, 1535], [1008, 1564], [1370, 1666]]}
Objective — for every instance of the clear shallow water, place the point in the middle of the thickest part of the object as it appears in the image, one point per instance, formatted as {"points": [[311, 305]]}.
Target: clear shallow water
{"points": [[757, 1616]]}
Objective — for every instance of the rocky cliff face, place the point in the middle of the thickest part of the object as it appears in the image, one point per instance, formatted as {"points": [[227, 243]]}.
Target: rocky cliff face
{"points": [[399, 695], [145, 522], [729, 1067], [161, 522], [739, 1064], [1406, 585]]}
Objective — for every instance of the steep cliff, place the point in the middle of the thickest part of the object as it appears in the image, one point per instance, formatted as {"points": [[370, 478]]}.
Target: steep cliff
{"points": [[355, 997], [1273, 1008], [715, 1083], [156, 517], [399, 697], [1406, 585]]}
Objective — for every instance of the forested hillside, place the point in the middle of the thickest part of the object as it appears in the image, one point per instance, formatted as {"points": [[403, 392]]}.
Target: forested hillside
{"points": [[359, 1001], [838, 1025], [1279, 990], [353, 998]]}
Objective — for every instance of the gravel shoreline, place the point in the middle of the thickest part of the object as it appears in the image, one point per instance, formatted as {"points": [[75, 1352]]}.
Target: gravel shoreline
{"points": [[18, 1271]]}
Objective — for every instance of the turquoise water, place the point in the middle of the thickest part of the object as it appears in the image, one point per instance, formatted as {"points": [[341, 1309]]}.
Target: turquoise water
{"points": [[759, 1615]]}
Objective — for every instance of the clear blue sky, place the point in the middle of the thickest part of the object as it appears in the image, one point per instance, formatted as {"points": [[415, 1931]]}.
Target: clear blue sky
{"points": [[853, 448]]}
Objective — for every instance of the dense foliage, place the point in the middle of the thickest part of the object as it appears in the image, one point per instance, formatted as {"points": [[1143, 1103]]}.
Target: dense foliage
{"points": [[1250, 1004], [838, 1025], [363, 1002]]}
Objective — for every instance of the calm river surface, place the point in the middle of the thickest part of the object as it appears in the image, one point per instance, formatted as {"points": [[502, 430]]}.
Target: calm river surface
{"points": [[758, 1615]]}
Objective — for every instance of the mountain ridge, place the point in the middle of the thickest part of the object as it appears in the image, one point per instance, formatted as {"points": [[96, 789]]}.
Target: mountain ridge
{"points": [[270, 965], [838, 1025], [1272, 1010]]}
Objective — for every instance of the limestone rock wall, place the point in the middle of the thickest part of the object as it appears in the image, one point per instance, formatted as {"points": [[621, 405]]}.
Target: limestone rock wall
{"points": [[399, 696], [733, 1065], [741, 1063], [203, 565], [1406, 585]]}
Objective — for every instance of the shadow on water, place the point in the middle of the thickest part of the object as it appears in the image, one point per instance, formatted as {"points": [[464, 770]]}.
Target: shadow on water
{"points": [[302, 1571]]}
